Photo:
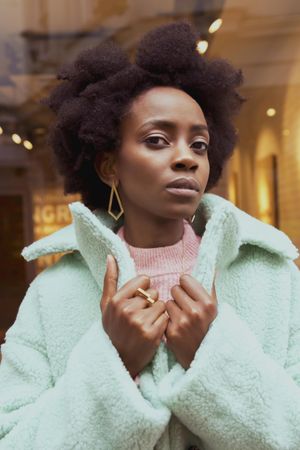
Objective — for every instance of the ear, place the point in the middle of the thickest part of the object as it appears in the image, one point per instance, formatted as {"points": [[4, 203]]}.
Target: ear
{"points": [[105, 166]]}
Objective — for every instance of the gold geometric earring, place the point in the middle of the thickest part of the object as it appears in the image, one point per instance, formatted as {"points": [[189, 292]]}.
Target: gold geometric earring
{"points": [[114, 190]]}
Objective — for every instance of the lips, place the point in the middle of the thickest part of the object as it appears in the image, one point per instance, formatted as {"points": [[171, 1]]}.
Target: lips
{"points": [[185, 183]]}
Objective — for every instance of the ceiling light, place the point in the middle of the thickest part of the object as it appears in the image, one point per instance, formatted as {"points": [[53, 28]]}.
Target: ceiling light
{"points": [[16, 138], [28, 145], [202, 47], [271, 112], [215, 26]]}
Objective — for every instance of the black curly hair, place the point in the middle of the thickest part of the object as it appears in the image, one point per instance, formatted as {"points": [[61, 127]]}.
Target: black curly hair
{"points": [[98, 89]]}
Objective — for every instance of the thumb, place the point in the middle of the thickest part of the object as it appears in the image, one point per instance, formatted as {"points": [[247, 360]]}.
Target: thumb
{"points": [[110, 281]]}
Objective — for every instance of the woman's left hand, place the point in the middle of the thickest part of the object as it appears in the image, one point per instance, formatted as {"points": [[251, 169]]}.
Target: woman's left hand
{"points": [[191, 312]]}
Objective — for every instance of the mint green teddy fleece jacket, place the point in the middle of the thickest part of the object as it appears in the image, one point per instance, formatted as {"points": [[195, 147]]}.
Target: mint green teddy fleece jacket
{"points": [[64, 386]]}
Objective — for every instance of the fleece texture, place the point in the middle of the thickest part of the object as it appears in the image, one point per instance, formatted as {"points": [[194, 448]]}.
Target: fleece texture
{"points": [[64, 386]]}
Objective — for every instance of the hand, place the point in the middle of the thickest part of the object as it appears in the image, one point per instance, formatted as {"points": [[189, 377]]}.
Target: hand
{"points": [[134, 326], [191, 313]]}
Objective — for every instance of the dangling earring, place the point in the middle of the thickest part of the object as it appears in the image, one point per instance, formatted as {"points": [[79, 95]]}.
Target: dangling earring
{"points": [[114, 190]]}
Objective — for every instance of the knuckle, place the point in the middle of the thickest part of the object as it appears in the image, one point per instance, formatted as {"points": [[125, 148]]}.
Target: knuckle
{"points": [[210, 308], [127, 309], [153, 291], [195, 314], [159, 304], [113, 301], [144, 277], [148, 335], [183, 322], [136, 322], [173, 334]]}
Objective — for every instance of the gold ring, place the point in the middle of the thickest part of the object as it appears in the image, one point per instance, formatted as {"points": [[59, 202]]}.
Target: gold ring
{"points": [[145, 294]]}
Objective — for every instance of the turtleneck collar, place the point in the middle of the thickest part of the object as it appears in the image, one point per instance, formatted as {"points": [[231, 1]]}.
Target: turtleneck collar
{"points": [[166, 259]]}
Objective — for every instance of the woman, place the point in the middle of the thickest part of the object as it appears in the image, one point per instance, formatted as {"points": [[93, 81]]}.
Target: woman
{"points": [[188, 336]]}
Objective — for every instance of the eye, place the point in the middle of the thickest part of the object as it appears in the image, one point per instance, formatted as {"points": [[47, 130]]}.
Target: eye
{"points": [[153, 140], [201, 145]]}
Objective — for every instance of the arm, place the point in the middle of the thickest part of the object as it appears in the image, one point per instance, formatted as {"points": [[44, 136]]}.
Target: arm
{"points": [[234, 395], [94, 404]]}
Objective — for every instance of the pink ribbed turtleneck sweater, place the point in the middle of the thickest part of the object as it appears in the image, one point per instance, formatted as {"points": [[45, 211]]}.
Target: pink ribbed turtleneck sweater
{"points": [[164, 264]]}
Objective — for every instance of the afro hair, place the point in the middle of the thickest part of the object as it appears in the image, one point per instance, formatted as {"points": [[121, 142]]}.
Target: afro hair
{"points": [[98, 88]]}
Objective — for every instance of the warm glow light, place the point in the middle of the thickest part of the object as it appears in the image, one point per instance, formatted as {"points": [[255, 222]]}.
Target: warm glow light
{"points": [[1, 130], [202, 47], [215, 26], [271, 112], [264, 202], [16, 138], [286, 132], [28, 145], [232, 188]]}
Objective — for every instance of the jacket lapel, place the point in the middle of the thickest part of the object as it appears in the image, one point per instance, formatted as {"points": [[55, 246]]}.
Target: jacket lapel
{"points": [[223, 227], [96, 238]]}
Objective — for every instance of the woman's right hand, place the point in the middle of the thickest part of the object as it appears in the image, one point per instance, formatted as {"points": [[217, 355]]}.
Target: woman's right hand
{"points": [[134, 326]]}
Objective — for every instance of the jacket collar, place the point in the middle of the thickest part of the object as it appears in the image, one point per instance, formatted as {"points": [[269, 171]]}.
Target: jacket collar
{"points": [[224, 229]]}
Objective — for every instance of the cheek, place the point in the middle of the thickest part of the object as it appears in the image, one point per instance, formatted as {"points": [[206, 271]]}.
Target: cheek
{"points": [[136, 169], [204, 173], [204, 167]]}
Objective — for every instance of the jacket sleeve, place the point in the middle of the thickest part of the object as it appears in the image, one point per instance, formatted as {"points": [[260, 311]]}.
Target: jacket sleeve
{"points": [[233, 395], [95, 404]]}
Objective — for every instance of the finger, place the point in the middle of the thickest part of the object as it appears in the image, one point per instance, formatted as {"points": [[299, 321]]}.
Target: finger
{"points": [[139, 302], [128, 290], [110, 281], [194, 289], [161, 322], [173, 310], [154, 312], [182, 299], [153, 294]]}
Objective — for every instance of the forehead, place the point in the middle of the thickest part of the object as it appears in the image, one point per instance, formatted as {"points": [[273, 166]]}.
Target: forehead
{"points": [[165, 102]]}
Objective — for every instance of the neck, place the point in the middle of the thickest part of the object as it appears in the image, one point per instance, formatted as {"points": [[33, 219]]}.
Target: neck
{"points": [[143, 231]]}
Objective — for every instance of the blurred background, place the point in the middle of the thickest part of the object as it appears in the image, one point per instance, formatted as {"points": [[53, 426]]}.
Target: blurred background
{"points": [[37, 36]]}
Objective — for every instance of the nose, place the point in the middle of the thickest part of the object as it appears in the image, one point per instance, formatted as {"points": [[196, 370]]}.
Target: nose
{"points": [[184, 157]]}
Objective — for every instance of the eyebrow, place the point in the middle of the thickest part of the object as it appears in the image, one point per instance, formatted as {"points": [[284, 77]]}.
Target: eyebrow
{"points": [[172, 125]]}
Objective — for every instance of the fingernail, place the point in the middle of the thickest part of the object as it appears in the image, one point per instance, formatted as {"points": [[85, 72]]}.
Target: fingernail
{"points": [[184, 275]]}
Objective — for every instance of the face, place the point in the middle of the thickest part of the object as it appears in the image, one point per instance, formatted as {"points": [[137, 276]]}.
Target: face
{"points": [[163, 137]]}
